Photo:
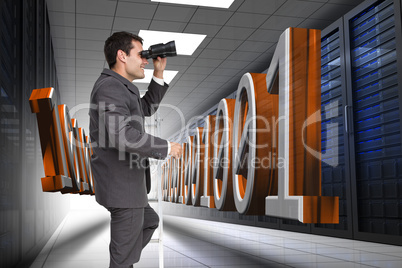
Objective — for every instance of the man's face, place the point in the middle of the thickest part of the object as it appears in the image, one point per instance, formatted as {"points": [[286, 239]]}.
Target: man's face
{"points": [[135, 64]]}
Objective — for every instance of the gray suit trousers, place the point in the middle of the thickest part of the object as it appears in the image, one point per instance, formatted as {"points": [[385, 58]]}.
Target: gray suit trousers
{"points": [[131, 230]]}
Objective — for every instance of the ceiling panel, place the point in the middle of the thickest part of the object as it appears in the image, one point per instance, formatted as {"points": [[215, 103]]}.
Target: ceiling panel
{"points": [[224, 72], [193, 77], [189, 103], [132, 25], [136, 10], [174, 13], [212, 63], [206, 89], [188, 84], [250, 20], [261, 6], [234, 64], [215, 53], [94, 21], [207, 29], [135, 1], [224, 44], [96, 7], [217, 78], [179, 68], [238, 33], [281, 22], [183, 89], [198, 70], [244, 55], [300, 9], [198, 95], [213, 85], [163, 25], [255, 46], [181, 60], [269, 36], [211, 16], [92, 34]]}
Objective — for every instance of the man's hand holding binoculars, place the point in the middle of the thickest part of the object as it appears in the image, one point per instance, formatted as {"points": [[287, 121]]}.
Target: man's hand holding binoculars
{"points": [[158, 53], [159, 67]]}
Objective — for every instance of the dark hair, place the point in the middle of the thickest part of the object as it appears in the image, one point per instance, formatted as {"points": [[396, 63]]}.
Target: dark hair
{"points": [[119, 40]]}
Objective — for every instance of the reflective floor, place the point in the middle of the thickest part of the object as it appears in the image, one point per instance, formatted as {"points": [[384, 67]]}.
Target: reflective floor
{"points": [[81, 241]]}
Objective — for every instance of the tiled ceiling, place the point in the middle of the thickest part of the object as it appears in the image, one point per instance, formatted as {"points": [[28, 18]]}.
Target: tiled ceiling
{"points": [[239, 39]]}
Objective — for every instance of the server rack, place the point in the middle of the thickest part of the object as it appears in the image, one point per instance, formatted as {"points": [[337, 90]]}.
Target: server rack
{"points": [[374, 120], [26, 62], [335, 157]]}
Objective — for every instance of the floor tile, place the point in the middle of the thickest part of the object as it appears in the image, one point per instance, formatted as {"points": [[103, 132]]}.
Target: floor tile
{"points": [[384, 263]]}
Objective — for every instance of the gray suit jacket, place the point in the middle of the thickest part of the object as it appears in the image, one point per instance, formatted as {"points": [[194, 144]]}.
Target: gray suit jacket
{"points": [[121, 147]]}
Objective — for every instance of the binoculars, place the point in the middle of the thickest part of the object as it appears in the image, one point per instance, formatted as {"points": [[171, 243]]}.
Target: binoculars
{"points": [[160, 50]]}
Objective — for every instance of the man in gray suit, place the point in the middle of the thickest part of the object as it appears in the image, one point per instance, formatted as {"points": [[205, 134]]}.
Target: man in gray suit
{"points": [[121, 147]]}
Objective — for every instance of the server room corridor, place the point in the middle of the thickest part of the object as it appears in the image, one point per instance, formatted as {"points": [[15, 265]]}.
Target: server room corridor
{"points": [[289, 114], [81, 241]]}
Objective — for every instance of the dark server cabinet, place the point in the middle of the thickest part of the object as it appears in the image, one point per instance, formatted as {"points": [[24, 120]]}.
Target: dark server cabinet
{"points": [[373, 115], [10, 134], [28, 218], [335, 157], [361, 128]]}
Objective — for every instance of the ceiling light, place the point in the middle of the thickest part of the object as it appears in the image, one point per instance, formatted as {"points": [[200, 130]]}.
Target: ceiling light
{"points": [[167, 76], [186, 43], [205, 3]]}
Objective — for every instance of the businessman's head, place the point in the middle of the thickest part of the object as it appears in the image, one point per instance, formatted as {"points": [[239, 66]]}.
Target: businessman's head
{"points": [[122, 53]]}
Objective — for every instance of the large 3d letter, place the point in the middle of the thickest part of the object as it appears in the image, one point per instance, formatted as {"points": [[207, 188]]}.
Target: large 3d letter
{"points": [[163, 175], [182, 164], [188, 171], [70, 146], [174, 184], [207, 200], [169, 181], [294, 74], [165, 183], [84, 188], [254, 145], [88, 155], [52, 144], [222, 160], [197, 184], [83, 147]]}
